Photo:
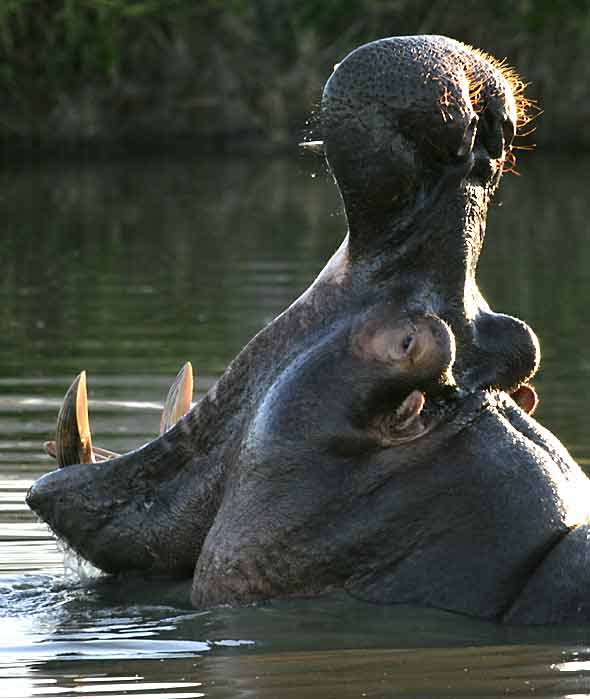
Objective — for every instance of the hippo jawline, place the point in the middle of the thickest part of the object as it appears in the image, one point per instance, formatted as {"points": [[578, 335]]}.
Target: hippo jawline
{"points": [[116, 515]]}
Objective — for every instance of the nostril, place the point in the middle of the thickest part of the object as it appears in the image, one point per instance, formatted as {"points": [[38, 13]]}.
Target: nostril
{"points": [[508, 132], [42, 496], [33, 498], [490, 135]]}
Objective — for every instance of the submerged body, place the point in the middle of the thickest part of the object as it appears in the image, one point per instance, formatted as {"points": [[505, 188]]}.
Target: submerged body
{"points": [[330, 454]]}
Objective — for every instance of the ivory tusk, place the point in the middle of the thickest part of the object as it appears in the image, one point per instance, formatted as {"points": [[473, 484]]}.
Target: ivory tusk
{"points": [[73, 441], [178, 400]]}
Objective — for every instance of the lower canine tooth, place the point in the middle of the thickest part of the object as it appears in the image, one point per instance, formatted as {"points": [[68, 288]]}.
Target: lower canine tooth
{"points": [[178, 400], [73, 441]]}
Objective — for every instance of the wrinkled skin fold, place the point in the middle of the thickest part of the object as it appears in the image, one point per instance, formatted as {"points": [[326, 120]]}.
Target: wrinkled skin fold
{"points": [[333, 453]]}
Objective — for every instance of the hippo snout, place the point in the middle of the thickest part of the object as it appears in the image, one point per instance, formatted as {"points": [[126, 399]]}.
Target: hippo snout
{"points": [[67, 500], [41, 497]]}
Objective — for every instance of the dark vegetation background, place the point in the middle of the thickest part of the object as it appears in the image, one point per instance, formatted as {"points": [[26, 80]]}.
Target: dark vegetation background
{"points": [[205, 74]]}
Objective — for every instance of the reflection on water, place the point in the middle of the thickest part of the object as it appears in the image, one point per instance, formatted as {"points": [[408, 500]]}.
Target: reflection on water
{"points": [[127, 271]]}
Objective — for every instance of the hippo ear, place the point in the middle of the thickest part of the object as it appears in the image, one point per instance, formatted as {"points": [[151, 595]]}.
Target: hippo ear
{"points": [[408, 413], [526, 398], [385, 341], [405, 424]]}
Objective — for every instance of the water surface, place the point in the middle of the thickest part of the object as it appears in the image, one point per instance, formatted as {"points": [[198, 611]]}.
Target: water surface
{"points": [[129, 269]]}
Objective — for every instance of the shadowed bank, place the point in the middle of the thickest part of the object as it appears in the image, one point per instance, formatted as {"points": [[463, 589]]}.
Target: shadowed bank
{"points": [[80, 76]]}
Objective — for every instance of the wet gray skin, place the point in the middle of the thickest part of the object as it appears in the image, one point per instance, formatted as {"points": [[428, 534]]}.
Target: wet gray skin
{"points": [[325, 459]]}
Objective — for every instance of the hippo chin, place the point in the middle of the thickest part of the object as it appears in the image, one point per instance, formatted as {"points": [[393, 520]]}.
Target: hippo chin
{"points": [[366, 439]]}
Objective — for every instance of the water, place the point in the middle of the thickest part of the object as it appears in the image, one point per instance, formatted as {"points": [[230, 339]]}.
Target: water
{"points": [[128, 270]]}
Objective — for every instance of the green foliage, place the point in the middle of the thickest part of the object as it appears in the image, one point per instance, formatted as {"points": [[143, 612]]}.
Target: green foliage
{"points": [[62, 41], [79, 70]]}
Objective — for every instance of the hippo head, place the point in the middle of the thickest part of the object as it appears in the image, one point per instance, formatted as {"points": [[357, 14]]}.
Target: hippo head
{"points": [[404, 118], [365, 439], [417, 132]]}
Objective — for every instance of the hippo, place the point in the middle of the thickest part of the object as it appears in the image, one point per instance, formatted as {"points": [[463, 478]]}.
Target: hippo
{"points": [[332, 455]]}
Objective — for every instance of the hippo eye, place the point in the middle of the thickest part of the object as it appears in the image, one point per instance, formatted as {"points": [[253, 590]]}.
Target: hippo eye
{"points": [[407, 342]]}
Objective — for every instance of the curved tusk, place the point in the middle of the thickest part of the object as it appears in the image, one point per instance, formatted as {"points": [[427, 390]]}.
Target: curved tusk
{"points": [[73, 441], [178, 400]]}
